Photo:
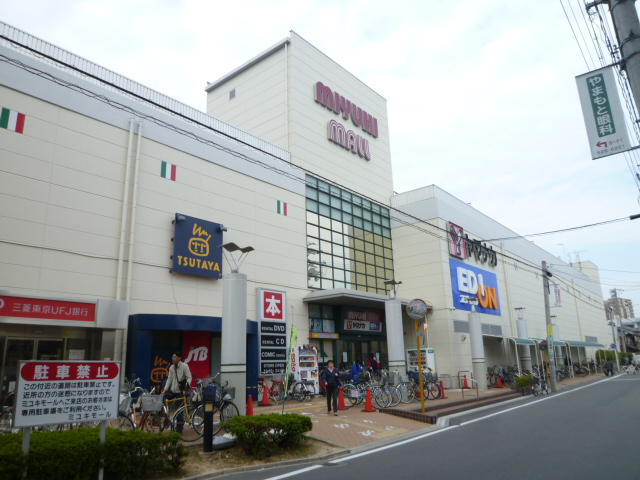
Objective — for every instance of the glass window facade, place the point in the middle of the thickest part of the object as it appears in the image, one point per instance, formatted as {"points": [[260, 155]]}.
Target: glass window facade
{"points": [[348, 240]]}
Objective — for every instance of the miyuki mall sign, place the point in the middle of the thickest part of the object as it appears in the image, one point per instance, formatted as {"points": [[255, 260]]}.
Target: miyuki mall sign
{"points": [[338, 133]]}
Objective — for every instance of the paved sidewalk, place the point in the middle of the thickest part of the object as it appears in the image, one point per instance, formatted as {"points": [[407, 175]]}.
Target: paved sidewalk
{"points": [[355, 428]]}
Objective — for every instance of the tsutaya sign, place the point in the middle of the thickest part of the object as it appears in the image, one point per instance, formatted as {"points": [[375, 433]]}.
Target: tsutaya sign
{"points": [[468, 282], [197, 247], [337, 132], [461, 246]]}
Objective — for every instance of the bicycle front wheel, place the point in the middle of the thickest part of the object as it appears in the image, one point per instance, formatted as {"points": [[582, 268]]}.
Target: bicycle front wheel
{"points": [[406, 393], [298, 392], [188, 423], [121, 422], [157, 422], [277, 393], [229, 410], [381, 397], [432, 391]]}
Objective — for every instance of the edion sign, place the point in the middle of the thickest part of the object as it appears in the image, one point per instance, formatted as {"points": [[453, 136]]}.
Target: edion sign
{"points": [[469, 283]]}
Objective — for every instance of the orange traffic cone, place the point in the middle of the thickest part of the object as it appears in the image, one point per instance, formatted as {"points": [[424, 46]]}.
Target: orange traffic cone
{"points": [[499, 382], [250, 406], [368, 406], [466, 383], [265, 396], [443, 396], [341, 405]]}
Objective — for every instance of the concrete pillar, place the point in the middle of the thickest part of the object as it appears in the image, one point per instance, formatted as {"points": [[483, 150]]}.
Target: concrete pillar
{"points": [[479, 365], [395, 336], [523, 350], [233, 351]]}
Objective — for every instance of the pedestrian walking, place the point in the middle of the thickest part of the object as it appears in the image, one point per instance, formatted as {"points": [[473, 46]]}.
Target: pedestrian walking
{"points": [[331, 378]]}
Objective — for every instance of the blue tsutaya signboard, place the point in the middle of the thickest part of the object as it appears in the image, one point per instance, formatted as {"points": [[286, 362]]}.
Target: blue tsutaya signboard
{"points": [[470, 283], [197, 247]]}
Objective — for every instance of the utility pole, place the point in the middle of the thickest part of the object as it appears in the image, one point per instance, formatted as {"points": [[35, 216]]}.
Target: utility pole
{"points": [[553, 382], [627, 27]]}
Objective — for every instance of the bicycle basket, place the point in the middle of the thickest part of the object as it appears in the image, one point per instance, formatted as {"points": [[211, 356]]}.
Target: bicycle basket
{"points": [[413, 375], [152, 403], [125, 405]]}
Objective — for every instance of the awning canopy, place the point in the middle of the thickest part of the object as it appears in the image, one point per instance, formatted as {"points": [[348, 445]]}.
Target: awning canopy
{"points": [[556, 343], [522, 341], [354, 298], [578, 343]]}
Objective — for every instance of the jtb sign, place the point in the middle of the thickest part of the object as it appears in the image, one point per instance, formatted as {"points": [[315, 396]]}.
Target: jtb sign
{"points": [[469, 282], [196, 247]]}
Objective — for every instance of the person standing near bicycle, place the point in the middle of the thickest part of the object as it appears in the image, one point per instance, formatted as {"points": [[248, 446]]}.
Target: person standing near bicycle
{"points": [[178, 381], [357, 370], [331, 378]]}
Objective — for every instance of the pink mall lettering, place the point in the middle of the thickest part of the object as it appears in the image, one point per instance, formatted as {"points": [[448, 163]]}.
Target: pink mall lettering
{"points": [[337, 132]]}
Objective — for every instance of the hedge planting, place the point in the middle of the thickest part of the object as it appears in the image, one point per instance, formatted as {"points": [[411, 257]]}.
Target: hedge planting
{"points": [[263, 435], [75, 454]]}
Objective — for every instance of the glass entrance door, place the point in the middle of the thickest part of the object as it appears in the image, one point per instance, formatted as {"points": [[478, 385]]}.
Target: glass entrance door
{"points": [[50, 349], [16, 349]]}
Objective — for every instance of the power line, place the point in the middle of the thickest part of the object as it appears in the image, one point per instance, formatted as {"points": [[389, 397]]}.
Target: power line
{"points": [[518, 263]]}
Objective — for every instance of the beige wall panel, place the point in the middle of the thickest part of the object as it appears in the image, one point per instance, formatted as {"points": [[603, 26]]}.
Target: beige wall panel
{"points": [[111, 169], [76, 284], [12, 254], [24, 145], [22, 231], [84, 242], [32, 170], [84, 201], [22, 208], [19, 277], [69, 262], [74, 220], [91, 145], [94, 129]]}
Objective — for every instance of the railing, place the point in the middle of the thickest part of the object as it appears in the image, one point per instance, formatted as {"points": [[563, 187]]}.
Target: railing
{"points": [[34, 47], [477, 389], [460, 378]]}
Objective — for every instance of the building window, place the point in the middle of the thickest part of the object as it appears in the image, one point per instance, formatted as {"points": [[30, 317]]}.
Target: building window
{"points": [[232, 94], [348, 240]]}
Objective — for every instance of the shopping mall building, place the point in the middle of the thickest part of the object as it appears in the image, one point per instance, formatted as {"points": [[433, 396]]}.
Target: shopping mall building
{"points": [[116, 202]]}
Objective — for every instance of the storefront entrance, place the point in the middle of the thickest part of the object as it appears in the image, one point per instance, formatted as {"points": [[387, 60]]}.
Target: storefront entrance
{"points": [[20, 349], [352, 349]]}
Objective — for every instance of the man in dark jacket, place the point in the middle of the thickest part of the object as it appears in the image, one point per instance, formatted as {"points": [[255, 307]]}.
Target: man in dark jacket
{"points": [[607, 367], [331, 377]]}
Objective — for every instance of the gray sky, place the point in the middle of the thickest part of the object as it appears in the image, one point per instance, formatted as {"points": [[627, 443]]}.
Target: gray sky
{"points": [[482, 99]]}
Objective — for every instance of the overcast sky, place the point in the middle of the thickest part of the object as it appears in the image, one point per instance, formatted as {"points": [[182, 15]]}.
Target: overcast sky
{"points": [[481, 95]]}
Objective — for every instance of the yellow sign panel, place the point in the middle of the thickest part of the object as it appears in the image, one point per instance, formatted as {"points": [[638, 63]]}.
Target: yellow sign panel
{"points": [[323, 335]]}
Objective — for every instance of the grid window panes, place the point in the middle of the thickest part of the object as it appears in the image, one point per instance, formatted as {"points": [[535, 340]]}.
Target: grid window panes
{"points": [[348, 240]]}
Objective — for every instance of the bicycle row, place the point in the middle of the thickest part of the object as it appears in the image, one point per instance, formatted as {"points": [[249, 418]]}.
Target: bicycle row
{"points": [[139, 409]]}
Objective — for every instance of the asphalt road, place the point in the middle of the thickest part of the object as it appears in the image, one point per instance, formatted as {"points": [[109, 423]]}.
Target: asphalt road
{"points": [[588, 432]]}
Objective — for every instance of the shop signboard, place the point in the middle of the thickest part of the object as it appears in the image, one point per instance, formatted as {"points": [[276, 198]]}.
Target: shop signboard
{"points": [[57, 392], [44, 308], [362, 326], [602, 112], [469, 282], [196, 348], [197, 247], [272, 308]]}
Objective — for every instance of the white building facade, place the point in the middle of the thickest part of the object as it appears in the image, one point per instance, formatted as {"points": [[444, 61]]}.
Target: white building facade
{"points": [[116, 200]]}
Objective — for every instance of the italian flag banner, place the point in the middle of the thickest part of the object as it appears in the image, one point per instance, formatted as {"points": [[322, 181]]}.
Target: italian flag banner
{"points": [[283, 208], [12, 120], [169, 171]]}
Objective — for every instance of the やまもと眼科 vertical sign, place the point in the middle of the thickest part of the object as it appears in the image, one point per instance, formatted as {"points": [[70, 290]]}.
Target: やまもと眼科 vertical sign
{"points": [[197, 247]]}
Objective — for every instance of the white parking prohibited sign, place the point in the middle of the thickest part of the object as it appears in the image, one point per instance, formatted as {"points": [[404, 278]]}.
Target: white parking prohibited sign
{"points": [[56, 392]]}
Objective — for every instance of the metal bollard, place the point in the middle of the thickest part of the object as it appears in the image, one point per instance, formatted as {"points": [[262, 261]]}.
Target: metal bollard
{"points": [[209, 406]]}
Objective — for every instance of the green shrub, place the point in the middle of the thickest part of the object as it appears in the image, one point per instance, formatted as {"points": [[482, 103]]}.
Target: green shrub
{"points": [[524, 381], [75, 454], [263, 435]]}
